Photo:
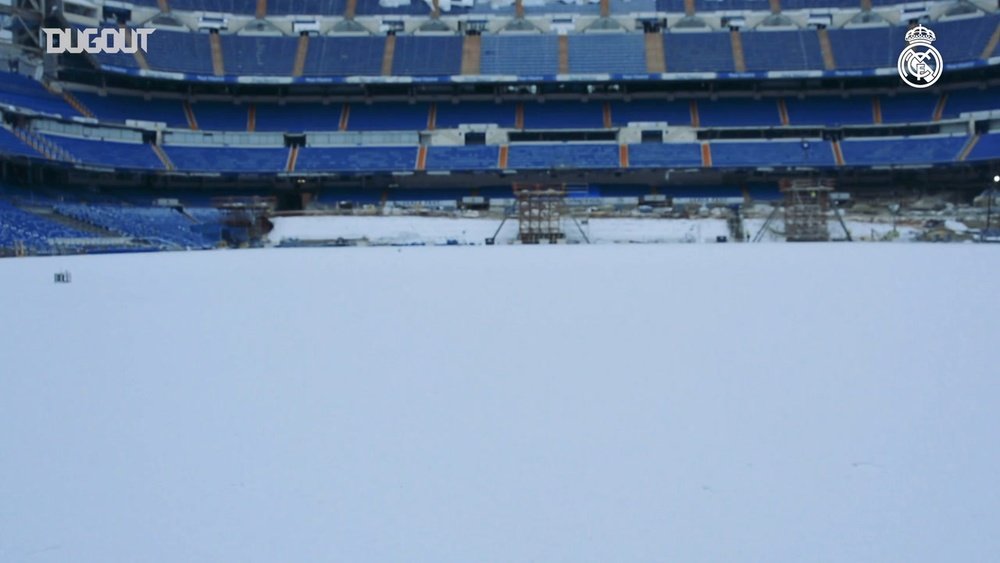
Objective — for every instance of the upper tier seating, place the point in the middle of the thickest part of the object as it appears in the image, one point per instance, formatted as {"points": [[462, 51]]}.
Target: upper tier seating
{"points": [[520, 54], [920, 151], [621, 53], [830, 110], [258, 55], [390, 116], [866, 48], [908, 108], [702, 51], [427, 55], [453, 115], [296, 7], [782, 50], [772, 153], [295, 117], [676, 112], [25, 92], [220, 116], [531, 156], [180, 51], [963, 101], [344, 56]]}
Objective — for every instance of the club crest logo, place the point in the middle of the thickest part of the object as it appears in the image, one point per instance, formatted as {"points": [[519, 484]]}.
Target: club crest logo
{"points": [[920, 64]]}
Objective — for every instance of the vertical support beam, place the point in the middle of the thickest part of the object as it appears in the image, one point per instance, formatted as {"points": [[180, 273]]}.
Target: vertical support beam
{"points": [[656, 60], [388, 54], [218, 66], [345, 116], [563, 54], [829, 62], [421, 158], [939, 108], [432, 112], [739, 60], [300, 55], [472, 54]]}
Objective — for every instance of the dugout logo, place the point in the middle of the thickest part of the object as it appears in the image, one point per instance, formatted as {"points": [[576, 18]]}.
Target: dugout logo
{"points": [[920, 64], [93, 40]]}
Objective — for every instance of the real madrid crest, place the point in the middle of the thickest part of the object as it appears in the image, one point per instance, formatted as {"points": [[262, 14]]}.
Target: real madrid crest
{"points": [[920, 64]]}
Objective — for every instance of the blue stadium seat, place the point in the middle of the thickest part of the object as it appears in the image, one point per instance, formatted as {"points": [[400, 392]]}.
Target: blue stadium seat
{"points": [[228, 159], [908, 108], [674, 112], [483, 157], [963, 101], [180, 51], [223, 6], [374, 8], [306, 7], [425, 55], [563, 115], [782, 50], [771, 153], [739, 112], [830, 110], [867, 48], [988, 148], [24, 92], [220, 116], [10, 144], [664, 155], [583, 156], [700, 51], [963, 39], [520, 54], [452, 115], [121, 108], [298, 117], [34, 232], [154, 224], [620, 53], [388, 116], [357, 159], [256, 55], [344, 56], [914, 150], [107, 153]]}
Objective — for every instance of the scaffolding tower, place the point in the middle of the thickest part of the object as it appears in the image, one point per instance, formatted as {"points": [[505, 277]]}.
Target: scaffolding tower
{"points": [[807, 202], [540, 209]]}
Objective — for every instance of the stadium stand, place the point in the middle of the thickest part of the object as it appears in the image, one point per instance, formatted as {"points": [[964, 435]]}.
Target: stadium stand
{"points": [[520, 54], [563, 115], [673, 112], [615, 52], [659, 155], [154, 224], [739, 112], [918, 151], [427, 55], [298, 117], [829, 110], [866, 48], [582, 156], [344, 56], [356, 159], [388, 117], [908, 108], [119, 109], [21, 227], [455, 114], [703, 51], [25, 92], [180, 51], [111, 154], [10, 144], [773, 153], [782, 50], [987, 148], [268, 56], [228, 159], [462, 158], [220, 116], [963, 101]]}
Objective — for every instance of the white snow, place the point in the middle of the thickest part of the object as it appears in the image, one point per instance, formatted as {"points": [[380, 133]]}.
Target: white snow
{"points": [[783, 403]]}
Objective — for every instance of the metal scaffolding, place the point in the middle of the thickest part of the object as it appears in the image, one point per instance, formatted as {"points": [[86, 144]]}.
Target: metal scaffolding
{"points": [[806, 205], [540, 209]]}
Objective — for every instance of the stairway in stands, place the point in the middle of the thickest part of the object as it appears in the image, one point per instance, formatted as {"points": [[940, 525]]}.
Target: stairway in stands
{"points": [[739, 59], [43, 146], [164, 158], [829, 62], [656, 60], [218, 65], [472, 52], [300, 55]]}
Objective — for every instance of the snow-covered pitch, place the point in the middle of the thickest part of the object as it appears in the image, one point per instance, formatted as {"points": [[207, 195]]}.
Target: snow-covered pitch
{"points": [[781, 403]]}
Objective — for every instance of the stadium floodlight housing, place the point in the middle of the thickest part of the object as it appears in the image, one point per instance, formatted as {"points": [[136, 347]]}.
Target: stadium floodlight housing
{"points": [[996, 179]]}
